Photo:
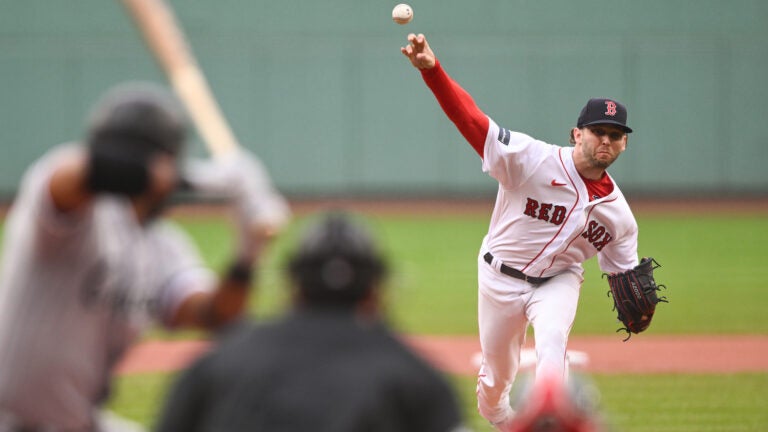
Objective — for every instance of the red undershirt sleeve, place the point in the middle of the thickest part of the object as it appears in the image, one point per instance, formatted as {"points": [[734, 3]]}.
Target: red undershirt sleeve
{"points": [[458, 105]]}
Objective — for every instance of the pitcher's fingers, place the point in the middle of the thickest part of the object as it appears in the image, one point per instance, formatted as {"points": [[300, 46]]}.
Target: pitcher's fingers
{"points": [[420, 41], [417, 42]]}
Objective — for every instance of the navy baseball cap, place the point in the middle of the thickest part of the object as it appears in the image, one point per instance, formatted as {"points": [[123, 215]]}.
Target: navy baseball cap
{"points": [[603, 111]]}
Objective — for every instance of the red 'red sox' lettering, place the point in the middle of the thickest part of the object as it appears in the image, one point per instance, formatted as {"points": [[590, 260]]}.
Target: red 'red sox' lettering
{"points": [[597, 235], [545, 211]]}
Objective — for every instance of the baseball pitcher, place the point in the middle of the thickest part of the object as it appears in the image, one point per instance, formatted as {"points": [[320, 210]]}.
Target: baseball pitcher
{"points": [[556, 207]]}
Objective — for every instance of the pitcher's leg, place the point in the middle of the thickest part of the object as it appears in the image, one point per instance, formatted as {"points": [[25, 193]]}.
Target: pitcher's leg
{"points": [[552, 310], [502, 326]]}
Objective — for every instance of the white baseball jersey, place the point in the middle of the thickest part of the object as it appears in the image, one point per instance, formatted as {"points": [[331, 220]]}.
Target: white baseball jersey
{"points": [[75, 291], [544, 222], [545, 225]]}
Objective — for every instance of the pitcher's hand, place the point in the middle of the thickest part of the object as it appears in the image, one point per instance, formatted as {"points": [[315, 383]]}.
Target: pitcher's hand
{"points": [[419, 52]]}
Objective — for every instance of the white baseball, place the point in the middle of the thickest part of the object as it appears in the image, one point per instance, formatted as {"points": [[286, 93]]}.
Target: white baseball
{"points": [[402, 14]]}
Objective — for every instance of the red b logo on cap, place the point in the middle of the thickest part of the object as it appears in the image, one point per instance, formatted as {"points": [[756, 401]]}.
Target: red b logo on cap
{"points": [[610, 107]]}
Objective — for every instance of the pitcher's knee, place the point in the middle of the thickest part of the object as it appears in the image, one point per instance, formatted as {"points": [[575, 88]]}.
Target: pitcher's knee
{"points": [[551, 352]]}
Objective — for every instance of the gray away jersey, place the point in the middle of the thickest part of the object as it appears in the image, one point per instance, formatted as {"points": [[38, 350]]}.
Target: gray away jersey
{"points": [[75, 291]]}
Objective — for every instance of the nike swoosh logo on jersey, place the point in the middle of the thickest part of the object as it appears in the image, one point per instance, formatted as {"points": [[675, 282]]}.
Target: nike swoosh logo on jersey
{"points": [[556, 183]]}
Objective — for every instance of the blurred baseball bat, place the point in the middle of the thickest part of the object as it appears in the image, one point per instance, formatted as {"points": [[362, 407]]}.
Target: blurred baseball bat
{"points": [[167, 42]]}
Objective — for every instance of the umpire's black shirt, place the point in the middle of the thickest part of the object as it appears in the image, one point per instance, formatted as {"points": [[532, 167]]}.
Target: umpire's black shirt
{"points": [[319, 370]]}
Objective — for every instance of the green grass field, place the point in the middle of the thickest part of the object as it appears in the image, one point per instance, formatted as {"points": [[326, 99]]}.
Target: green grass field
{"points": [[659, 403], [713, 265]]}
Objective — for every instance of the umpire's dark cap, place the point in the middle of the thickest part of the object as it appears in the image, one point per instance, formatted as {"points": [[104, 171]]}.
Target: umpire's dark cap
{"points": [[145, 116], [603, 111], [336, 262]]}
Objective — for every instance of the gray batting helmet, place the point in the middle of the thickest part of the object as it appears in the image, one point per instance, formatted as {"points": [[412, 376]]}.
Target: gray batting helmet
{"points": [[143, 115]]}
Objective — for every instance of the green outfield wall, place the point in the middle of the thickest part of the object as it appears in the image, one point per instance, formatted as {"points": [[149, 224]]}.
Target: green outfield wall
{"points": [[320, 91]]}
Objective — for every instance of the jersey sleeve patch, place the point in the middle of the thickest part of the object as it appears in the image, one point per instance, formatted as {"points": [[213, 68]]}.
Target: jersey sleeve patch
{"points": [[504, 135]]}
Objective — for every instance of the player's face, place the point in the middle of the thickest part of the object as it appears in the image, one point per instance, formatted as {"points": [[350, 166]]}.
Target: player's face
{"points": [[601, 144], [164, 178], [164, 174]]}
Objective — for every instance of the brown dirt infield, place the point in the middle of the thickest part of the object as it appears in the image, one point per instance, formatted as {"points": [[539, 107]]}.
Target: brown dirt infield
{"points": [[643, 354]]}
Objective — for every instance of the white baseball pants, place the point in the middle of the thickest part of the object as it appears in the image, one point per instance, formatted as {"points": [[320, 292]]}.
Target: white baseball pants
{"points": [[505, 308]]}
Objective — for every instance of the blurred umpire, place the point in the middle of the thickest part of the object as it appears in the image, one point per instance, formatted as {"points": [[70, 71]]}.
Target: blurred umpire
{"points": [[88, 263], [329, 364]]}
